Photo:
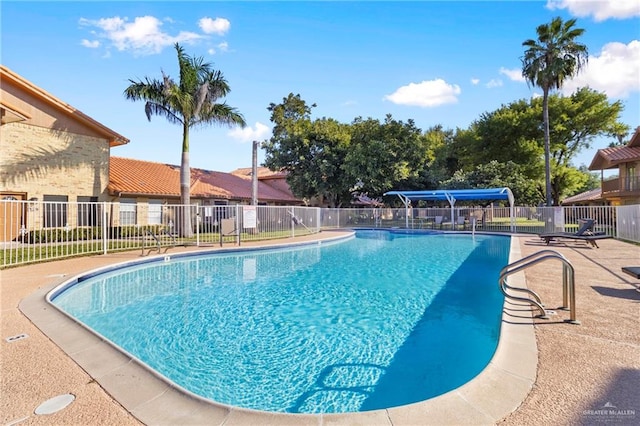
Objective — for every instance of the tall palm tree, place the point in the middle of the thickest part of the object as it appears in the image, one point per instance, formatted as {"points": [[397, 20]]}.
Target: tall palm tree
{"points": [[190, 102], [554, 57]]}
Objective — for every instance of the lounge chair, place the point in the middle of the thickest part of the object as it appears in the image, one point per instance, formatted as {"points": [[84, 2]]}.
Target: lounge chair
{"points": [[634, 271], [584, 233]]}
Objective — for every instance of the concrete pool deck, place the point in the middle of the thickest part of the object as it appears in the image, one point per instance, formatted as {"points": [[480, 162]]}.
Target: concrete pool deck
{"points": [[582, 370]]}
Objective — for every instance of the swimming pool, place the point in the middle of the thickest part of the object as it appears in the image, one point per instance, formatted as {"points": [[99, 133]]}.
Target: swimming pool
{"points": [[363, 324]]}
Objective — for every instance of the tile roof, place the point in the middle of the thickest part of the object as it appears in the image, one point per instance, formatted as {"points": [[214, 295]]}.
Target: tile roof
{"points": [[591, 195], [276, 180], [635, 139], [609, 158], [137, 177], [263, 173]]}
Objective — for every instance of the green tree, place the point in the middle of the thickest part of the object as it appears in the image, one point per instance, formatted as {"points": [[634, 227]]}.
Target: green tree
{"points": [[579, 119], [548, 61], [384, 155], [591, 181], [440, 159], [495, 174], [566, 181], [512, 133], [191, 102], [311, 152]]}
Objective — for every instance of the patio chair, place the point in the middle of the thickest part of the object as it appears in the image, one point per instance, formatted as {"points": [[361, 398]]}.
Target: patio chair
{"points": [[584, 233], [460, 222], [437, 221]]}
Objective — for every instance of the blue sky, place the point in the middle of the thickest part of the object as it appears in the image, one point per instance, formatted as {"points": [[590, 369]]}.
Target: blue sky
{"points": [[438, 63]]}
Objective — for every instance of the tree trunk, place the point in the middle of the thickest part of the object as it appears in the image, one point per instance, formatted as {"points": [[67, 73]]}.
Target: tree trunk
{"points": [[184, 221], [547, 149]]}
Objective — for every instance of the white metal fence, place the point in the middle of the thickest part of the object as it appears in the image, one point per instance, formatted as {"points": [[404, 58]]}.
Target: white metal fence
{"points": [[533, 220], [34, 231]]}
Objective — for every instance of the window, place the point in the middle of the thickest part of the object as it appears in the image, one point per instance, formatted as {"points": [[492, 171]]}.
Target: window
{"points": [[632, 178], [155, 212], [88, 211], [127, 211], [54, 211]]}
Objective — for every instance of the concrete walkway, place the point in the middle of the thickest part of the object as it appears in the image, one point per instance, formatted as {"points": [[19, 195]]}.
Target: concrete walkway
{"points": [[583, 370], [586, 370]]}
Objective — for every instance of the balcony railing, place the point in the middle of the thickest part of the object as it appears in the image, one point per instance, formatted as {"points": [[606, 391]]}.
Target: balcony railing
{"points": [[628, 184]]}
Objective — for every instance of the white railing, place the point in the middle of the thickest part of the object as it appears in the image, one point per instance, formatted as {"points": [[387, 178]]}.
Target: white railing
{"points": [[35, 231], [532, 220], [32, 231], [628, 223]]}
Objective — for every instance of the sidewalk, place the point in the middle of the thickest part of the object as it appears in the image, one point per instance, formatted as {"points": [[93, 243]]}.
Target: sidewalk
{"points": [[585, 369]]}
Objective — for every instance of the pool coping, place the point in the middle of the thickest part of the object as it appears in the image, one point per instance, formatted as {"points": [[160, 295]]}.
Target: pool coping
{"points": [[497, 391]]}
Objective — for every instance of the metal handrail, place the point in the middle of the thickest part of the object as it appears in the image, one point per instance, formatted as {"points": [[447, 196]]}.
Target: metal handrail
{"points": [[568, 282]]}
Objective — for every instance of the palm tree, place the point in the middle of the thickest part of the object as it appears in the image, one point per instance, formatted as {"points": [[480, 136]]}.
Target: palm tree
{"points": [[548, 61], [190, 102]]}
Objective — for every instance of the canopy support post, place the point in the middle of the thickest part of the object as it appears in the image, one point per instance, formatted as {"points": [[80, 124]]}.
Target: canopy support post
{"points": [[406, 201], [452, 201]]}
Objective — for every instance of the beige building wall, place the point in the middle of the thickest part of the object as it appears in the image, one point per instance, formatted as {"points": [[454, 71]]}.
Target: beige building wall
{"points": [[39, 161]]}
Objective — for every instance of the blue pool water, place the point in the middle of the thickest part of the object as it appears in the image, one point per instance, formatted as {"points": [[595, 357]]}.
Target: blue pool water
{"points": [[380, 320]]}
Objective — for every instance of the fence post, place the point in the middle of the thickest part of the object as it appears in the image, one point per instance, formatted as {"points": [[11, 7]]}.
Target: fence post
{"points": [[105, 245], [198, 221], [238, 230]]}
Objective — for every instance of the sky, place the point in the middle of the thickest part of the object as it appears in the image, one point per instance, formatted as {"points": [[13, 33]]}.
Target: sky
{"points": [[435, 62]]}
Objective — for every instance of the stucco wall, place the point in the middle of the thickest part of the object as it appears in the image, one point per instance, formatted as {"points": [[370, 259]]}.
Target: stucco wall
{"points": [[39, 161]]}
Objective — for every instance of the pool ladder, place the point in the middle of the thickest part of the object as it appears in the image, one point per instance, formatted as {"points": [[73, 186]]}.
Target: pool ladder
{"points": [[568, 283]]}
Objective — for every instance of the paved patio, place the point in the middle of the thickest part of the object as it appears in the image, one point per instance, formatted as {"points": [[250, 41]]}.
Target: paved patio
{"points": [[583, 371]]}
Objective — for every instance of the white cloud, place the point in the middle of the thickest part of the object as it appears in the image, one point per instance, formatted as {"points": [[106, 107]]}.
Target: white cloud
{"points": [[221, 47], [249, 134], [494, 83], [425, 94], [600, 10], [614, 71], [218, 26], [513, 74], [143, 36], [475, 81], [90, 44]]}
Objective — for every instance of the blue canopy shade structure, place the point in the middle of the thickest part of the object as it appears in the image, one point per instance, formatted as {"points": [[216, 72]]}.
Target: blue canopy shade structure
{"points": [[453, 195]]}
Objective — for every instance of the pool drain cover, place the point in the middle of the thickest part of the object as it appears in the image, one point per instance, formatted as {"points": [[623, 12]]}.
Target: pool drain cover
{"points": [[55, 404]]}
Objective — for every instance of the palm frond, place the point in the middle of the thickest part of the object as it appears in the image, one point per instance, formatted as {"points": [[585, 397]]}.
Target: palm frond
{"points": [[152, 108], [192, 99], [220, 114]]}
